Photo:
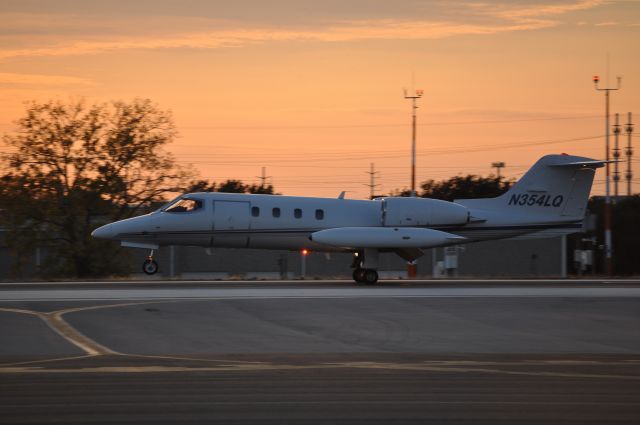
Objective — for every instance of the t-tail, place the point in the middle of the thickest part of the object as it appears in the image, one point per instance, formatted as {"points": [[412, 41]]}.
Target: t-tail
{"points": [[555, 189]]}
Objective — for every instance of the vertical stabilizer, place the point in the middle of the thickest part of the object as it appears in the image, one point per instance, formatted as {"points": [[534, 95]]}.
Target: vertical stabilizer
{"points": [[556, 187]]}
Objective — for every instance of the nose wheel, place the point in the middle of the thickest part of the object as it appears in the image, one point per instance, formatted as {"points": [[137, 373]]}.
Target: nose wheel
{"points": [[150, 266]]}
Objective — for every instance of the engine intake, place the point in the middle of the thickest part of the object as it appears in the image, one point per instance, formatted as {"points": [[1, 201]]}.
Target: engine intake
{"points": [[422, 212]]}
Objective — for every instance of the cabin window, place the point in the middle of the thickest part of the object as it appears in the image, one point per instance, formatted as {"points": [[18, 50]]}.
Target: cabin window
{"points": [[297, 213], [255, 211], [184, 205], [275, 212], [319, 214]]}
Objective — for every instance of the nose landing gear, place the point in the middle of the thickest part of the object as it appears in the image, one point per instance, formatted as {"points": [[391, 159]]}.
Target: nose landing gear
{"points": [[150, 266]]}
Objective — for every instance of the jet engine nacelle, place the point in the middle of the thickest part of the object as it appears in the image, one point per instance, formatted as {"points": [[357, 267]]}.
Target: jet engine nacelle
{"points": [[423, 212]]}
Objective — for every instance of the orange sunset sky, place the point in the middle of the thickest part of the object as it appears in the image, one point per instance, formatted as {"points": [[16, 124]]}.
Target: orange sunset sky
{"points": [[313, 90]]}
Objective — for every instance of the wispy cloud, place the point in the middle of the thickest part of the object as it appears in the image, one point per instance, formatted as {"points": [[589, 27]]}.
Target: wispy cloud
{"points": [[544, 10], [41, 79], [495, 19], [607, 24]]}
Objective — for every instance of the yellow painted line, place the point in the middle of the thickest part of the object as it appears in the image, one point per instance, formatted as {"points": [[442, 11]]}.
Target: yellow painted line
{"points": [[55, 322], [272, 367], [21, 311], [191, 359], [71, 334], [53, 360]]}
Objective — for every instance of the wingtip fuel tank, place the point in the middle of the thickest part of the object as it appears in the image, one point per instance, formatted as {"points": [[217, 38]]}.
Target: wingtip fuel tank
{"points": [[384, 237]]}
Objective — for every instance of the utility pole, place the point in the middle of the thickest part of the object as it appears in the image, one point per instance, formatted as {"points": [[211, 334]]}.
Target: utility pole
{"points": [[412, 267], [263, 178], [372, 181], [629, 153], [608, 264], [616, 157], [417, 94], [498, 166]]}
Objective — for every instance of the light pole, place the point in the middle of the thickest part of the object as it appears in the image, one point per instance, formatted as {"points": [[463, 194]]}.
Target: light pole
{"points": [[417, 94], [498, 166], [608, 265], [412, 267]]}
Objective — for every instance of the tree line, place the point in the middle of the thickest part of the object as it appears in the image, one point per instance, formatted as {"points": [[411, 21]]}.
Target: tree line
{"points": [[70, 167]]}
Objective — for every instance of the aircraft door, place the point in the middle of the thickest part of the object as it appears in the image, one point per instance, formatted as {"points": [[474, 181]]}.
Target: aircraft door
{"points": [[231, 224]]}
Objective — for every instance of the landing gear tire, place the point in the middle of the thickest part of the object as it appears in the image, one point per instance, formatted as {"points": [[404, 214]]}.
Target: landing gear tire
{"points": [[358, 275], [366, 276], [370, 276], [150, 267]]}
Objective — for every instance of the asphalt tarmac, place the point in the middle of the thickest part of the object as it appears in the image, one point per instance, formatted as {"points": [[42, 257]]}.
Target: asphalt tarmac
{"points": [[190, 352]]}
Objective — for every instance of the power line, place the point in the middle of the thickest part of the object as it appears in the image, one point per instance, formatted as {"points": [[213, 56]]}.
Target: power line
{"points": [[342, 126], [444, 151]]}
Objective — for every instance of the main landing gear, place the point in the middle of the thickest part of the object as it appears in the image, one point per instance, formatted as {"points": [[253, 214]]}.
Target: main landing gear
{"points": [[364, 265], [367, 276], [150, 266]]}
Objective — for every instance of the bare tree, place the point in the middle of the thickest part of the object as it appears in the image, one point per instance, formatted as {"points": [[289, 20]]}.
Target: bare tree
{"points": [[69, 164]]}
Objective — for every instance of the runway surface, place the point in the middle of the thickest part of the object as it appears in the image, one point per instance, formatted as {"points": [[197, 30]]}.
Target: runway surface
{"points": [[320, 352]]}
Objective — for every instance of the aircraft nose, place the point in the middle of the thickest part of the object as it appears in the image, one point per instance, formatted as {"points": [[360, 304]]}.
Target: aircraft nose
{"points": [[103, 232]]}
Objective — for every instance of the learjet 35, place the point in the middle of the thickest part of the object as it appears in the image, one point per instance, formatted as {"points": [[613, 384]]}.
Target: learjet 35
{"points": [[549, 200]]}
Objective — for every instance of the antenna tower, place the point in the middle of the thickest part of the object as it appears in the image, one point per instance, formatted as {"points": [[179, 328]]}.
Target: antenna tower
{"points": [[629, 153]]}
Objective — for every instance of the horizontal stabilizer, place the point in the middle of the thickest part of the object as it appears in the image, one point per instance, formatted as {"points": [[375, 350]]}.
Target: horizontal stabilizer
{"points": [[583, 164]]}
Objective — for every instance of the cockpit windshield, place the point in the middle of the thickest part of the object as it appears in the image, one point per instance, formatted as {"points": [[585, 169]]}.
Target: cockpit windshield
{"points": [[184, 205]]}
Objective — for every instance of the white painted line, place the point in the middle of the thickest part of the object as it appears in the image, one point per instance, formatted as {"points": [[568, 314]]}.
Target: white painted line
{"points": [[312, 293], [442, 281]]}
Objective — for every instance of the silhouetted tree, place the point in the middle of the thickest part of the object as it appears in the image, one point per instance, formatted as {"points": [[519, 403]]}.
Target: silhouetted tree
{"points": [[71, 163], [465, 187], [265, 189], [229, 186], [460, 187], [200, 186]]}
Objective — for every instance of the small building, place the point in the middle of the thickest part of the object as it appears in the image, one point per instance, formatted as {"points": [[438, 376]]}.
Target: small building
{"points": [[502, 258]]}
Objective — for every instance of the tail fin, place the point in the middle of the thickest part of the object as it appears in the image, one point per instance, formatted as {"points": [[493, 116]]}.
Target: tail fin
{"points": [[556, 187]]}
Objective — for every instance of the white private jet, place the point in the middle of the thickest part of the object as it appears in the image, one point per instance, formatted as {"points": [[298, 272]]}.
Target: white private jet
{"points": [[549, 200]]}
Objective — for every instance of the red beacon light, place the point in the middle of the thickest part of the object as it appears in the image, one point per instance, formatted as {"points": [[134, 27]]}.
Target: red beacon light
{"points": [[596, 79], [305, 252]]}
